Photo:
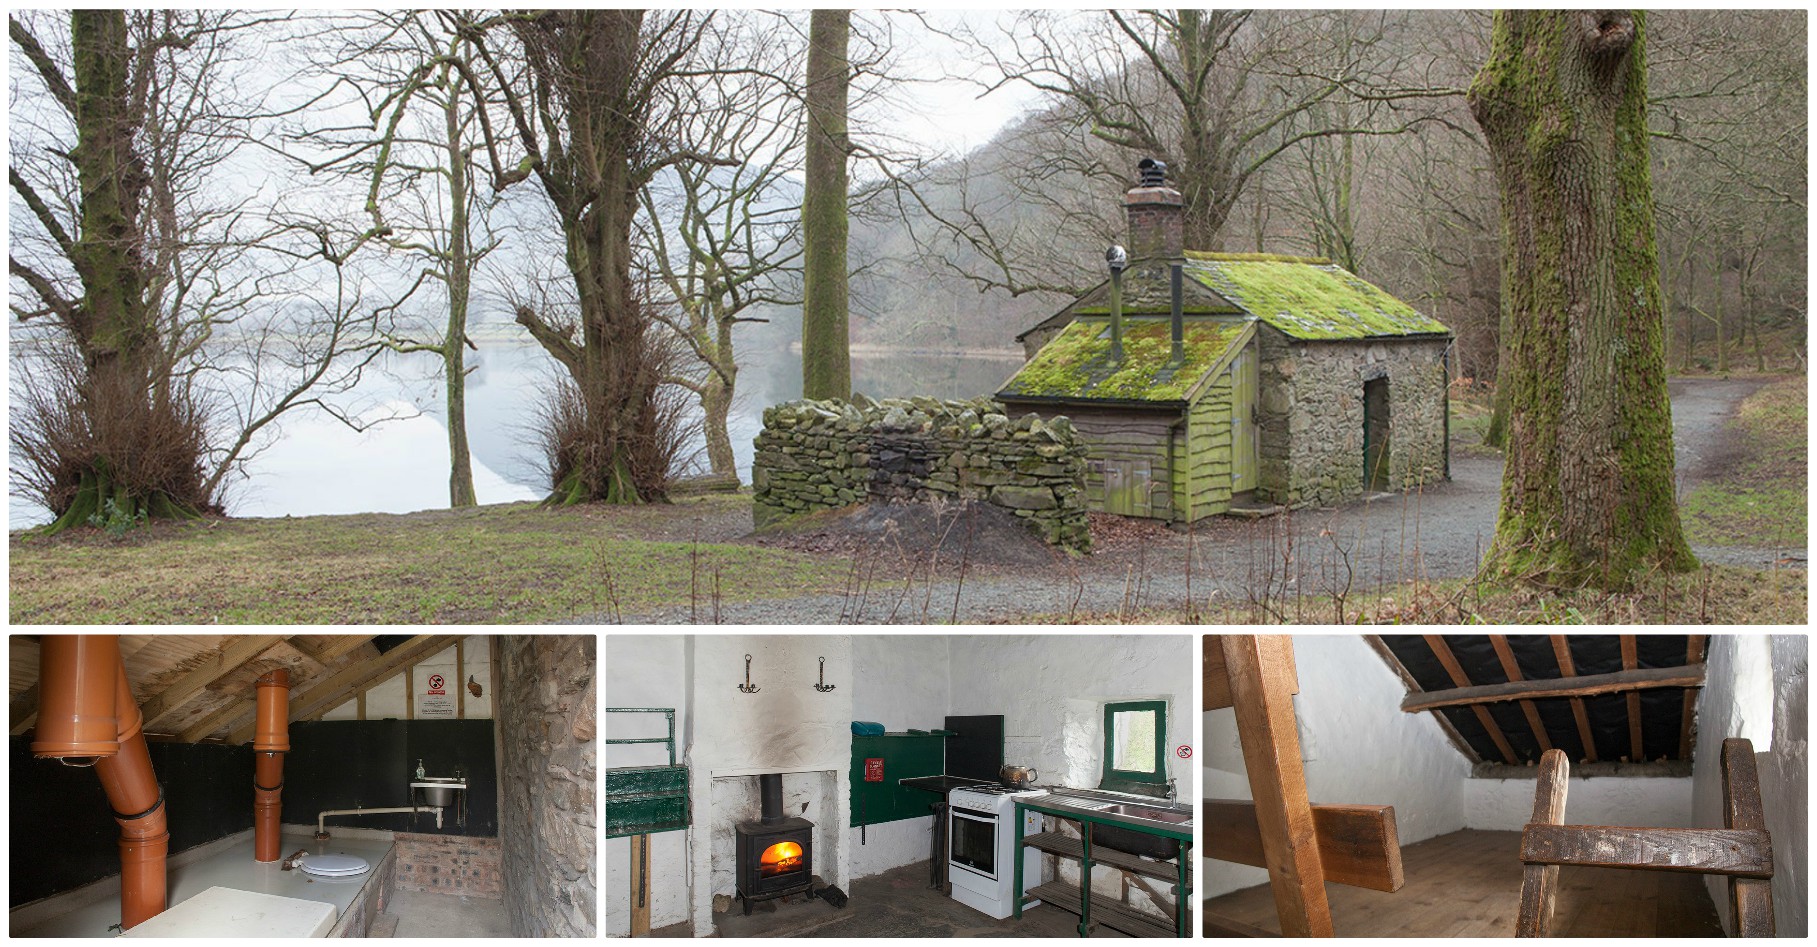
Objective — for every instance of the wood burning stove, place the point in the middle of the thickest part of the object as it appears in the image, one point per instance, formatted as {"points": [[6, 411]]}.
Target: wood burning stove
{"points": [[776, 854]]}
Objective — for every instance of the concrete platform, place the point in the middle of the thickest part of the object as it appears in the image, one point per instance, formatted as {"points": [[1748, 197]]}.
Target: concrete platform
{"points": [[229, 866]]}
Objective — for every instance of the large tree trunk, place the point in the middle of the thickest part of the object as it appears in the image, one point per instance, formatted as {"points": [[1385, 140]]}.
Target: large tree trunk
{"points": [[460, 287], [1587, 492], [826, 362], [139, 452]]}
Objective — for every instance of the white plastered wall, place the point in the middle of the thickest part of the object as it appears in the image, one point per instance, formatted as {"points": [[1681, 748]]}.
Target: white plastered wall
{"points": [[1756, 687], [902, 682], [645, 671], [1358, 745], [1505, 805]]}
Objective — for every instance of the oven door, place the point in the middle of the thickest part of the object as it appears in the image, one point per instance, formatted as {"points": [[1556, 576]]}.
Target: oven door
{"points": [[972, 842]]}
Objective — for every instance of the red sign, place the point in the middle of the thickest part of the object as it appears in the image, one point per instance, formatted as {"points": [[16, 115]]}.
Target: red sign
{"points": [[1184, 752], [873, 770], [435, 684]]}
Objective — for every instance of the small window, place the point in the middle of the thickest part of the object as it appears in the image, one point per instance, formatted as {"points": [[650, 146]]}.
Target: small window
{"points": [[1135, 737]]}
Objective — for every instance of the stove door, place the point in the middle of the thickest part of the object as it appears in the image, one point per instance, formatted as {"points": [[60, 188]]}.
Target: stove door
{"points": [[973, 841]]}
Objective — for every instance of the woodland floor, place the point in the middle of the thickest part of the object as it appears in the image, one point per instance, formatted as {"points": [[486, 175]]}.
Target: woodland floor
{"points": [[1388, 558]]}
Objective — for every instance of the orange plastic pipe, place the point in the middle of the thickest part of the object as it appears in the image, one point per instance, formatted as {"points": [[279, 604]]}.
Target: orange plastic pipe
{"points": [[271, 740], [76, 696], [74, 671]]}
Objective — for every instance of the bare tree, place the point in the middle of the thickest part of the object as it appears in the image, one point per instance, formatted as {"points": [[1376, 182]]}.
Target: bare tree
{"points": [[1587, 491], [578, 90], [725, 241], [177, 326]]}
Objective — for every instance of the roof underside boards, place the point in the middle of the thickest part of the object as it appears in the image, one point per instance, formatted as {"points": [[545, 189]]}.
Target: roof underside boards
{"points": [[1310, 300], [1076, 365], [1661, 709]]}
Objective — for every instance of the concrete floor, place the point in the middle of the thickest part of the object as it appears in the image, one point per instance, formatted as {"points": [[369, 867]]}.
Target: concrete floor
{"points": [[897, 903], [230, 867], [422, 914]]}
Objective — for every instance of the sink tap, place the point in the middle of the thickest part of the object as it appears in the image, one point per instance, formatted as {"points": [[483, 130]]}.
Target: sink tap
{"points": [[1172, 792]]}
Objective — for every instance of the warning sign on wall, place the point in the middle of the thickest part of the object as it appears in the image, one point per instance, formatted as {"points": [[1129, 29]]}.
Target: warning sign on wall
{"points": [[435, 701]]}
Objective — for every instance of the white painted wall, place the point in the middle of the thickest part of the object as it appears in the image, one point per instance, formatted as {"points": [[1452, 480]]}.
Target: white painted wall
{"points": [[644, 671], [1506, 804], [902, 682], [786, 727], [1756, 687], [1358, 745]]}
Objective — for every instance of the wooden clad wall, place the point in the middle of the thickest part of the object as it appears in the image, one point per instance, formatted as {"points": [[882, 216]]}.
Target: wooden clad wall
{"points": [[1203, 489], [1138, 443]]}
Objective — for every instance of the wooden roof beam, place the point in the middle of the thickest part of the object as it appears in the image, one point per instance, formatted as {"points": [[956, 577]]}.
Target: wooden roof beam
{"points": [[332, 649], [1442, 651], [1693, 655], [24, 710], [322, 697], [1589, 685], [1561, 649], [1413, 687], [1630, 660], [234, 653], [1510, 667]]}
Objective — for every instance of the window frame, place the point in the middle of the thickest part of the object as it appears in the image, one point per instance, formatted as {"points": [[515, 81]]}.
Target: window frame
{"points": [[1112, 775]]}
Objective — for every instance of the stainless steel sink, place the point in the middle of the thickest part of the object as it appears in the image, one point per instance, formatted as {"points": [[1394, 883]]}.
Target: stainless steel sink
{"points": [[1171, 816], [439, 790]]}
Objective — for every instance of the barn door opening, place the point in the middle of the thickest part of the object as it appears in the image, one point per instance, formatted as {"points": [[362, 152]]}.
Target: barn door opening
{"points": [[1376, 428]]}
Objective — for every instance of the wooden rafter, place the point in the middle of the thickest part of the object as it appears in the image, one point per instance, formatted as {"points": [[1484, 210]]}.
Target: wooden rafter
{"points": [[1589, 685], [321, 697], [1442, 651], [1413, 687], [326, 652], [236, 651], [1630, 660], [1539, 883], [23, 710], [1561, 649], [1693, 655], [1510, 667]]}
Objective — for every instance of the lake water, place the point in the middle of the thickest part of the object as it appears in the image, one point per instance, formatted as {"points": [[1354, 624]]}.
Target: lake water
{"points": [[319, 465]]}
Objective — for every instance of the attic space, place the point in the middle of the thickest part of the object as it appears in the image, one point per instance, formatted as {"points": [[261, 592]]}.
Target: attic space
{"points": [[178, 785], [1584, 785], [899, 785]]}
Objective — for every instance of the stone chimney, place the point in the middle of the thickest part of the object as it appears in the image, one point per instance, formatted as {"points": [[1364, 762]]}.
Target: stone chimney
{"points": [[1156, 215]]}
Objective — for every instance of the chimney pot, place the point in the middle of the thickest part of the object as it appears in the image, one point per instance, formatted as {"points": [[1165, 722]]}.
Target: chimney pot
{"points": [[1151, 173]]}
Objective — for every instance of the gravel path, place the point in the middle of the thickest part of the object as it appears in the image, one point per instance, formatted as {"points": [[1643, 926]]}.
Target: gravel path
{"points": [[1438, 533]]}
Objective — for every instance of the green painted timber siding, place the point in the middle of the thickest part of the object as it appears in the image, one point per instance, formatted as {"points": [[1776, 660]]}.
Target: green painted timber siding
{"points": [[1204, 488], [645, 799]]}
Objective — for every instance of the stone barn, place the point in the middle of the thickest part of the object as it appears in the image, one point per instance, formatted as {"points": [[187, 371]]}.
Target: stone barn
{"points": [[1202, 381]]}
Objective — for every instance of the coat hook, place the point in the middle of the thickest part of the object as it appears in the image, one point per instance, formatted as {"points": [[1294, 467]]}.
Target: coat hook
{"points": [[746, 686], [823, 686]]}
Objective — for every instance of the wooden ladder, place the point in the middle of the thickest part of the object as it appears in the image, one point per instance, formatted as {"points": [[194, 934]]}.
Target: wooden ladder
{"points": [[1300, 844], [1742, 849]]}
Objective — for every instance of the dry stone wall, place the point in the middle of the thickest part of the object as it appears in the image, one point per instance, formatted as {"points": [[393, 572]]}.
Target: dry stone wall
{"points": [[548, 769], [821, 455]]}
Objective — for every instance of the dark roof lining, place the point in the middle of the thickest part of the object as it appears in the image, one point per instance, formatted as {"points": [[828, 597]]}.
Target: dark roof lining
{"points": [[1661, 709]]}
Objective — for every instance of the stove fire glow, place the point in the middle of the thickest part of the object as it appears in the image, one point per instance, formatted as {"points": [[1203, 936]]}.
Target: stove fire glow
{"points": [[780, 859]]}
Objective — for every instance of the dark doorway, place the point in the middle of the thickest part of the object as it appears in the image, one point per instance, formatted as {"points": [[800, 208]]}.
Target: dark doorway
{"points": [[1375, 434]]}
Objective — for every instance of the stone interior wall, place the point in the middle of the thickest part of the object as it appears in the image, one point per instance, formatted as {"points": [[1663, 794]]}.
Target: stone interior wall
{"points": [[547, 777], [1311, 415], [820, 455], [449, 864]]}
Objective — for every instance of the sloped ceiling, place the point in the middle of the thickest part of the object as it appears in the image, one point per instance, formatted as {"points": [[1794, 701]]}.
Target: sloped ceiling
{"points": [[199, 688], [1648, 724]]}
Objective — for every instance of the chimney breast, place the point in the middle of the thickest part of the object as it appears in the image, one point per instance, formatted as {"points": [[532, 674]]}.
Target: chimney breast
{"points": [[1156, 215]]}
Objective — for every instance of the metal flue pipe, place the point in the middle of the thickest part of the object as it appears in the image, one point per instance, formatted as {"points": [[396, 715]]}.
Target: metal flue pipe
{"points": [[270, 742], [82, 690]]}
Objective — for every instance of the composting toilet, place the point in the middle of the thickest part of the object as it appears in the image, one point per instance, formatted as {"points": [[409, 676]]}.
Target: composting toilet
{"points": [[333, 865]]}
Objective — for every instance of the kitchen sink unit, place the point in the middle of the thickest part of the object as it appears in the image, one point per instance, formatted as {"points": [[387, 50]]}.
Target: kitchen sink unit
{"points": [[907, 785]]}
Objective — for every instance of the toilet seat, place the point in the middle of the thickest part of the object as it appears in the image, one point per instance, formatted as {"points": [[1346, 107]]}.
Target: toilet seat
{"points": [[333, 865]]}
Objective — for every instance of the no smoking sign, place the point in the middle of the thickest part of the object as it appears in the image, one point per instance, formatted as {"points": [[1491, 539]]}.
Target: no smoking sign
{"points": [[1184, 752]]}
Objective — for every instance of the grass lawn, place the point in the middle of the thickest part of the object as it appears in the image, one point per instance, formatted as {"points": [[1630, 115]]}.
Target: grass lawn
{"points": [[508, 563], [1761, 499]]}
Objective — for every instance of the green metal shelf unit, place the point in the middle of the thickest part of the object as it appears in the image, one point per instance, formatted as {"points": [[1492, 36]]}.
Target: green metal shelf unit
{"points": [[641, 800]]}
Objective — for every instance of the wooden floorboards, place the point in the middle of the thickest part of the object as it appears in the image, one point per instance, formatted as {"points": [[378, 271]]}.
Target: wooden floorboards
{"points": [[1467, 884]]}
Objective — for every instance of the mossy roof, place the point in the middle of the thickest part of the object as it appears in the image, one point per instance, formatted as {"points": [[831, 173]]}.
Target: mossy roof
{"points": [[1308, 298], [1076, 364]]}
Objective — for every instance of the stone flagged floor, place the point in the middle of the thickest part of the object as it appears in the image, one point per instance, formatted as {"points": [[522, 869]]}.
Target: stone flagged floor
{"points": [[897, 903]]}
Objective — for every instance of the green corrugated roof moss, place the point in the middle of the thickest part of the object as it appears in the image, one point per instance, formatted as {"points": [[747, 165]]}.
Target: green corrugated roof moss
{"points": [[1254, 258], [1076, 363], [1307, 300]]}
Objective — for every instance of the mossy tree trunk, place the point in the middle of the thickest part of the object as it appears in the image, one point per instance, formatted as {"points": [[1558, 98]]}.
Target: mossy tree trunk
{"points": [[826, 362], [1587, 492]]}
